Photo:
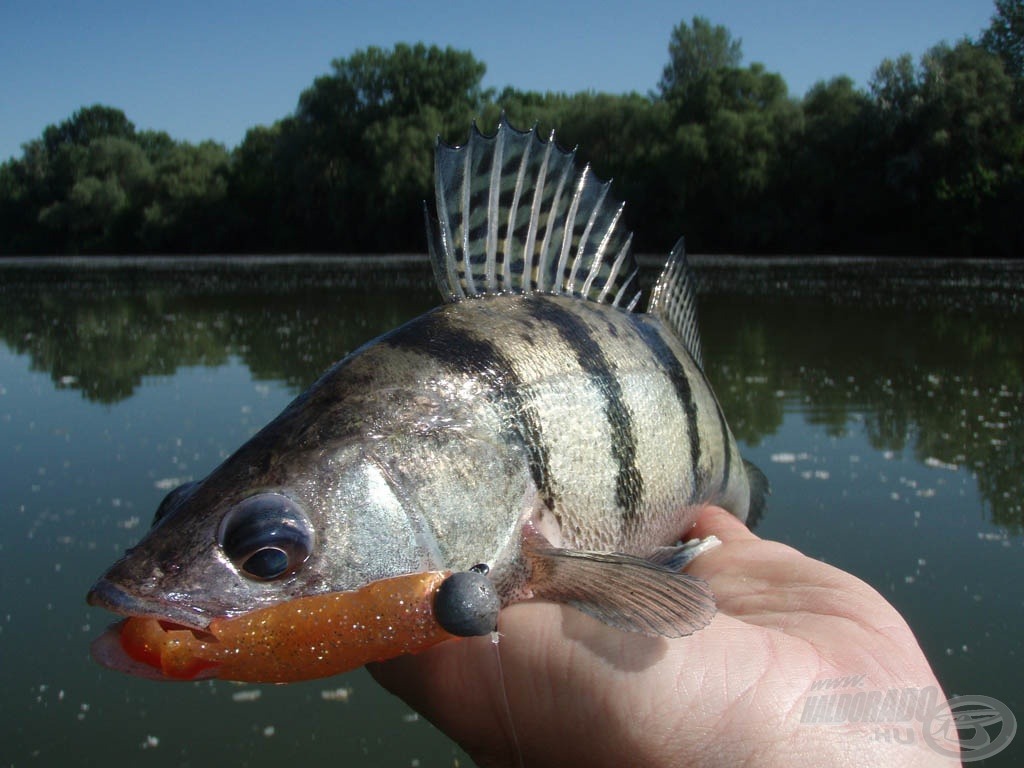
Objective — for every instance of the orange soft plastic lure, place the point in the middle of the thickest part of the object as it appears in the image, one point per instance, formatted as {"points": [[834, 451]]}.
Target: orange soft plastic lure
{"points": [[305, 638]]}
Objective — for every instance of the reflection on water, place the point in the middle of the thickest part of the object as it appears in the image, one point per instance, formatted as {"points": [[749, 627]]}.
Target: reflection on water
{"points": [[885, 400], [947, 387], [942, 375], [102, 330]]}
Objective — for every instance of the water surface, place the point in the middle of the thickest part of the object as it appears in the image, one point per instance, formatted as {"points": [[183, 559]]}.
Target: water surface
{"points": [[884, 400]]}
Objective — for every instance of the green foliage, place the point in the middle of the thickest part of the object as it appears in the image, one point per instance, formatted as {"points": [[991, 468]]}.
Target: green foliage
{"points": [[186, 201], [930, 159], [949, 151], [93, 184], [112, 172], [1005, 36], [85, 126], [695, 50], [347, 168]]}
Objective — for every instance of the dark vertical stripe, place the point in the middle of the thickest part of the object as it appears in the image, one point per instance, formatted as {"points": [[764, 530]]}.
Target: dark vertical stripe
{"points": [[461, 351], [629, 486], [684, 393], [727, 444]]}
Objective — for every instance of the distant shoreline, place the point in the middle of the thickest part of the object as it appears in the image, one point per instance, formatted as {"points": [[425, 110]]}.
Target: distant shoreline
{"points": [[645, 260]]}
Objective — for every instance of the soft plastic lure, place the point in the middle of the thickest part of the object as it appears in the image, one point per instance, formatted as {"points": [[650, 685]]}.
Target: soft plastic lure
{"points": [[305, 638]]}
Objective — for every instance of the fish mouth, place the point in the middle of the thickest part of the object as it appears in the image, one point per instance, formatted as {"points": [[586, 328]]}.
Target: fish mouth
{"points": [[107, 594], [108, 651]]}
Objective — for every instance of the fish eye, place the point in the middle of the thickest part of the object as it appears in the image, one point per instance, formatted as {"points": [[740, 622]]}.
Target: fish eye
{"points": [[266, 536]]}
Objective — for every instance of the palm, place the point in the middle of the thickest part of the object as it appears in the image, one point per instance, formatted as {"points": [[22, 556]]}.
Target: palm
{"points": [[580, 692]]}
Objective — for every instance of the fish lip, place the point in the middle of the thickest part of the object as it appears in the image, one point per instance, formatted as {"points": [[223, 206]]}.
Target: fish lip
{"points": [[107, 651], [107, 594]]}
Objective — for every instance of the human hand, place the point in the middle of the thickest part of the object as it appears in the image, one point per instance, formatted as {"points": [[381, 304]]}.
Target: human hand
{"points": [[572, 691]]}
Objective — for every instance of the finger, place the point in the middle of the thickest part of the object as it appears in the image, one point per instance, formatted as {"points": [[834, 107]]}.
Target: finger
{"points": [[715, 521], [455, 686]]}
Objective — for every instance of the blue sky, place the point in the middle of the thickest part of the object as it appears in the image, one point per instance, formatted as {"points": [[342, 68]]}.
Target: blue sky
{"points": [[210, 70]]}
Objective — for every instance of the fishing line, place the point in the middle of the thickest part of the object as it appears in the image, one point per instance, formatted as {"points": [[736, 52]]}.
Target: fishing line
{"points": [[495, 641]]}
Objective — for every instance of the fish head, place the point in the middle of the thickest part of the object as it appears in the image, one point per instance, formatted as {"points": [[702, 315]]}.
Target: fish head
{"points": [[261, 531]]}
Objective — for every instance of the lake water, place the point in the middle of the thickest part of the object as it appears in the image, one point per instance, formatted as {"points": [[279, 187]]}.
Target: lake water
{"points": [[884, 400]]}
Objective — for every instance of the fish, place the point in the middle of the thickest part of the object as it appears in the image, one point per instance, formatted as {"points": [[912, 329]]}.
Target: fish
{"points": [[535, 436]]}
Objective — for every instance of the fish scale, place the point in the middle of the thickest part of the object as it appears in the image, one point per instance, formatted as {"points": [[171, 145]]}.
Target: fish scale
{"points": [[533, 431], [588, 402]]}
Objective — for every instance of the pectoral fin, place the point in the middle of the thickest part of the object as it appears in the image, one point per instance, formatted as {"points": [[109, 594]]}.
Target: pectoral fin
{"points": [[678, 557], [625, 592]]}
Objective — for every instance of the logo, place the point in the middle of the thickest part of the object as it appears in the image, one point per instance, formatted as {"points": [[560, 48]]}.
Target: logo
{"points": [[980, 725], [970, 727]]}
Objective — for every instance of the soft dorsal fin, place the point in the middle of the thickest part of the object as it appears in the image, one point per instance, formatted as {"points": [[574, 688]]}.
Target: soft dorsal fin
{"points": [[515, 215], [674, 301]]}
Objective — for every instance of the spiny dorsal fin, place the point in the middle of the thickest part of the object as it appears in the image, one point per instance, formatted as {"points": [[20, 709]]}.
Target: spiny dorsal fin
{"points": [[514, 215], [674, 301]]}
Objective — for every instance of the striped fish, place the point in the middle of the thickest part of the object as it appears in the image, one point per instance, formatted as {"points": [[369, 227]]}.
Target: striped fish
{"points": [[534, 430]]}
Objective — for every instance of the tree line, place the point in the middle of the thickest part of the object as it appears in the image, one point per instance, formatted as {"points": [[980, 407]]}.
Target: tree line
{"points": [[928, 159]]}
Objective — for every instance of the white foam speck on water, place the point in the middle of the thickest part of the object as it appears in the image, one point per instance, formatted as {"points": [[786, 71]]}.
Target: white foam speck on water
{"points": [[931, 461], [251, 694], [989, 536], [269, 731], [167, 483], [818, 474], [337, 694], [151, 742], [783, 458]]}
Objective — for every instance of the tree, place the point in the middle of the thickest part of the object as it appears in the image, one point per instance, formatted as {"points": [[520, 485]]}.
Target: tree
{"points": [[112, 179], [971, 142], [186, 214], [255, 203], [694, 50], [831, 189], [1005, 36], [359, 145], [734, 137], [894, 85], [930, 159], [49, 203], [86, 125], [948, 150]]}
